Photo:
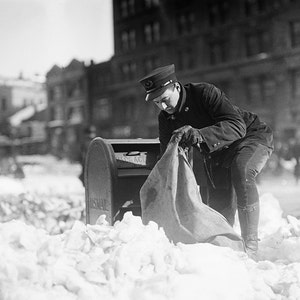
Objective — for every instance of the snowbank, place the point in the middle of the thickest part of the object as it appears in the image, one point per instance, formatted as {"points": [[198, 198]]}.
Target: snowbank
{"points": [[128, 260], [132, 261], [50, 196]]}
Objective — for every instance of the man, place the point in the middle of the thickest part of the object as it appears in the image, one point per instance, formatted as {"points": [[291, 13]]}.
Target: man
{"points": [[234, 143]]}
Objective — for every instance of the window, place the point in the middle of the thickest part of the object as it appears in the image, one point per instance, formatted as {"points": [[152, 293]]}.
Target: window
{"points": [[125, 41], [128, 70], [57, 93], [218, 12], [124, 9], [253, 91], [152, 32], [151, 3], [128, 40], [295, 33], [126, 110], [150, 63], [70, 89], [185, 23], [52, 113], [103, 110], [260, 90], [58, 113], [75, 114], [253, 7], [268, 90], [3, 104], [131, 7], [257, 42], [74, 88], [218, 51], [185, 59], [100, 80], [127, 8], [132, 42], [50, 94]]}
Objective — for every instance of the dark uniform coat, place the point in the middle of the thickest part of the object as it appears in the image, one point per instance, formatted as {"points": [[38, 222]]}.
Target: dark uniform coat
{"points": [[225, 128]]}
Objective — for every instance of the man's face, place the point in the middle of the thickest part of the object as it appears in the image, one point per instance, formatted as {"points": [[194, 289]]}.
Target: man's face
{"points": [[168, 100]]}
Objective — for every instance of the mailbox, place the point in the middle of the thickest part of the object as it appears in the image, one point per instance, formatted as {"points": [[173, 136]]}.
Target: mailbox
{"points": [[115, 170]]}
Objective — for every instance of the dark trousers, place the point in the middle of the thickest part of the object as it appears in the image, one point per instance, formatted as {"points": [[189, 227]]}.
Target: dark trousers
{"points": [[236, 186]]}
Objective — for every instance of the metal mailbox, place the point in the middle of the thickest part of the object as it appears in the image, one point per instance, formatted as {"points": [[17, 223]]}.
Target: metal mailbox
{"points": [[115, 170]]}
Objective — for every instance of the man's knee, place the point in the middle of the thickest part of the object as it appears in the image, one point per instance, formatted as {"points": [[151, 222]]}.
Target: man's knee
{"points": [[242, 173]]}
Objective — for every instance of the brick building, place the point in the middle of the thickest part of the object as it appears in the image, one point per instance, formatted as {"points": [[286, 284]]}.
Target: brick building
{"points": [[249, 48], [67, 108]]}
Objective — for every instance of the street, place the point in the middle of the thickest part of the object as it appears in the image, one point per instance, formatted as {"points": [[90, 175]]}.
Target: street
{"points": [[285, 189]]}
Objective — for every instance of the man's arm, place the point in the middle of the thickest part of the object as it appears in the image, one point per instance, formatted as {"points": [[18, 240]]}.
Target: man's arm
{"points": [[229, 124]]}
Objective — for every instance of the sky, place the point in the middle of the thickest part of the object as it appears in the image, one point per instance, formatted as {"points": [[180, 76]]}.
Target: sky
{"points": [[36, 34]]}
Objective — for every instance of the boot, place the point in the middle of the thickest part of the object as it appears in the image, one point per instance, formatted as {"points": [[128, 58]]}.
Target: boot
{"points": [[249, 218]]}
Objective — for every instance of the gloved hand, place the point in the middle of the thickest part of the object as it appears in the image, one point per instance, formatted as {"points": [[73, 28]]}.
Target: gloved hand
{"points": [[187, 136]]}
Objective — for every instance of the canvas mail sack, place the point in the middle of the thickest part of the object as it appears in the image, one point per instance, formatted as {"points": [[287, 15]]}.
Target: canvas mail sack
{"points": [[171, 198]]}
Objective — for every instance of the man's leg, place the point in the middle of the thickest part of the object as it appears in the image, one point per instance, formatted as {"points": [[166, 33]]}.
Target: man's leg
{"points": [[247, 163], [222, 197]]}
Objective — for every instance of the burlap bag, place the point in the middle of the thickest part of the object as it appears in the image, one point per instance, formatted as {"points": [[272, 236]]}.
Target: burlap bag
{"points": [[171, 198]]}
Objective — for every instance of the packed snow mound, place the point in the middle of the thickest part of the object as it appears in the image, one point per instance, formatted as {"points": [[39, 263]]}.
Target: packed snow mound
{"points": [[133, 261], [50, 196], [128, 260]]}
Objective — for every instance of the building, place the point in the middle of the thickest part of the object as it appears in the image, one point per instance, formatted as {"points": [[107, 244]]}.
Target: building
{"points": [[67, 108], [16, 94], [100, 108], [20, 100], [249, 48]]}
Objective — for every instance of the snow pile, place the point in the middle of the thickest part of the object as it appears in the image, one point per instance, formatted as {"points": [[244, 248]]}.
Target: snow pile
{"points": [[128, 260], [132, 261], [49, 197]]}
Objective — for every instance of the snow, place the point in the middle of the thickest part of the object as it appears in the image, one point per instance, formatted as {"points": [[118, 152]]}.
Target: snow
{"points": [[47, 252], [26, 113], [50, 196]]}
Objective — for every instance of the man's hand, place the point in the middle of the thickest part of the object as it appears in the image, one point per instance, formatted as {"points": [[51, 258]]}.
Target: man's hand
{"points": [[187, 136]]}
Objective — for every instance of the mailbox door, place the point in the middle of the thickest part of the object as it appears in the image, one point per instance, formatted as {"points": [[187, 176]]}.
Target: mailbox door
{"points": [[100, 181]]}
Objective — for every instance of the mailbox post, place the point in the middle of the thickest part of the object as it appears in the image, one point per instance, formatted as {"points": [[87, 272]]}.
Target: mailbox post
{"points": [[115, 170]]}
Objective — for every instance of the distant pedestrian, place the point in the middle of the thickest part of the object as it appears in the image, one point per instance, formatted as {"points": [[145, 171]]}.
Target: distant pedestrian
{"points": [[295, 153], [9, 166]]}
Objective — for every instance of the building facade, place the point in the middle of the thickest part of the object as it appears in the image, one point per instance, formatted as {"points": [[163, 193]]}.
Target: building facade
{"points": [[20, 100], [18, 93], [67, 108], [249, 48]]}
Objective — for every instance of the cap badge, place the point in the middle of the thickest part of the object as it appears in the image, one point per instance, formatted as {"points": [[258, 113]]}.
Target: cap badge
{"points": [[148, 84]]}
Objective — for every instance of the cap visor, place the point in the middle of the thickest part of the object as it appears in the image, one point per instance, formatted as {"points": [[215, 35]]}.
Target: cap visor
{"points": [[156, 93]]}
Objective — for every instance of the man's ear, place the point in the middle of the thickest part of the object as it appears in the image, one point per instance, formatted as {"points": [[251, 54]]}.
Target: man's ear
{"points": [[177, 85]]}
